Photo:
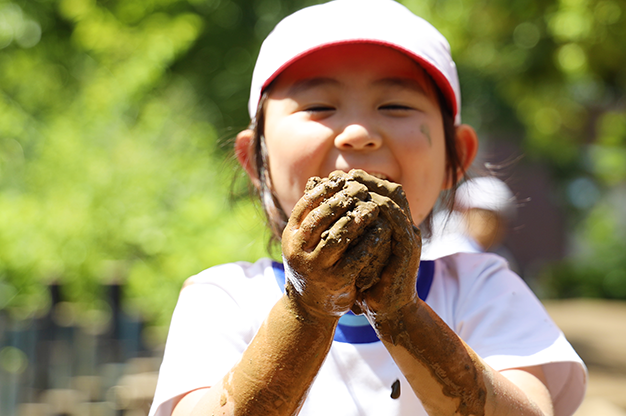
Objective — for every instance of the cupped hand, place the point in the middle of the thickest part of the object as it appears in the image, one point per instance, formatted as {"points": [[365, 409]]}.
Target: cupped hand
{"points": [[397, 284], [322, 249]]}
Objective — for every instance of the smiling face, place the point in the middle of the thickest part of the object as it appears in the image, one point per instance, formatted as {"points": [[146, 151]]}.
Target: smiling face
{"points": [[356, 106]]}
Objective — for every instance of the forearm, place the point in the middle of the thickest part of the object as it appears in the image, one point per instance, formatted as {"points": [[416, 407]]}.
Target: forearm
{"points": [[278, 367], [445, 373]]}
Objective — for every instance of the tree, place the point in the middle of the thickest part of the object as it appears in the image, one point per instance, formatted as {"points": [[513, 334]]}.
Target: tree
{"points": [[115, 120]]}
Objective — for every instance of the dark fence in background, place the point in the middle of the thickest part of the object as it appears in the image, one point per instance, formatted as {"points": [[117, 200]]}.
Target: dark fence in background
{"points": [[52, 366]]}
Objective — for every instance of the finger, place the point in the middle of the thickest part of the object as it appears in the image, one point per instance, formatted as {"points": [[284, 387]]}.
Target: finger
{"points": [[356, 308], [383, 187], [368, 254], [401, 225], [418, 234], [398, 279], [316, 191], [406, 240], [374, 249], [329, 211], [336, 175], [343, 233]]}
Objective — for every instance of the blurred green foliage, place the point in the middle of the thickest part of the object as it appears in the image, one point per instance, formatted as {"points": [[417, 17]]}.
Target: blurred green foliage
{"points": [[116, 118], [109, 169]]}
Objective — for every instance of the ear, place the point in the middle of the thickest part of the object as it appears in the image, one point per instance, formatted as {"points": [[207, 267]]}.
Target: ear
{"points": [[467, 147], [244, 150]]}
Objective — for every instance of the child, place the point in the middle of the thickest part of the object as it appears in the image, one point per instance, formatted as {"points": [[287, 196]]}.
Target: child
{"points": [[484, 208], [349, 99]]}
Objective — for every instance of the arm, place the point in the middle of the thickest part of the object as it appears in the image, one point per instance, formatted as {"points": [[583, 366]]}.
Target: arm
{"points": [[322, 257], [449, 377], [275, 371], [444, 372]]}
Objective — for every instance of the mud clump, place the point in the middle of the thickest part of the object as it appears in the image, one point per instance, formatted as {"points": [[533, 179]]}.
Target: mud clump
{"points": [[374, 243]]}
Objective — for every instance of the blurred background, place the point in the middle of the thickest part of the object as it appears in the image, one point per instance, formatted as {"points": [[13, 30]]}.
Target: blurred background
{"points": [[117, 180]]}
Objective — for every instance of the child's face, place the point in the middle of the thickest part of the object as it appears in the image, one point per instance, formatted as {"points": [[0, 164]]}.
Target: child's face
{"points": [[356, 106]]}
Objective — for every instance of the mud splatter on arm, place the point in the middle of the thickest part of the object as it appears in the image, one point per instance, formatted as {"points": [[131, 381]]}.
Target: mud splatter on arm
{"points": [[443, 371]]}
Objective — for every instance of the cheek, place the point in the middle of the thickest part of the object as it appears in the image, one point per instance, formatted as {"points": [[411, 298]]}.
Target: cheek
{"points": [[422, 198], [285, 184], [425, 181], [297, 150], [289, 141], [290, 166]]}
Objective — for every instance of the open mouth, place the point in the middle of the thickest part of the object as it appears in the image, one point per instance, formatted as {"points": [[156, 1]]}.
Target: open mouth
{"points": [[379, 175], [376, 174]]}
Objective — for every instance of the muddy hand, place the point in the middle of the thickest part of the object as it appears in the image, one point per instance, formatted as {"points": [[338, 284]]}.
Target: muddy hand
{"points": [[397, 282], [321, 249], [374, 248]]}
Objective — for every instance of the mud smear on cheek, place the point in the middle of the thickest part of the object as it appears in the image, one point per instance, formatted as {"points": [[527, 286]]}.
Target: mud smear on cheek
{"points": [[426, 132]]}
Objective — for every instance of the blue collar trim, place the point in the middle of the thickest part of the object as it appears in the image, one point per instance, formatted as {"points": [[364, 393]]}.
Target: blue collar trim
{"points": [[355, 329]]}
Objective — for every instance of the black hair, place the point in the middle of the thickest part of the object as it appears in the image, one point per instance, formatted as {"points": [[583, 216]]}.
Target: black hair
{"points": [[274, 214]]}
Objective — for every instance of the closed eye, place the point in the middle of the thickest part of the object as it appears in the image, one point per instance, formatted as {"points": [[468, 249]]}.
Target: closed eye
{"points": [[319, 108], [318, 112], [395, 107]]}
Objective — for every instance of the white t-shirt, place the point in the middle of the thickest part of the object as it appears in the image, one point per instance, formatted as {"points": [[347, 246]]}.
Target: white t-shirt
{"points": [[449, 236], [487, 305]]}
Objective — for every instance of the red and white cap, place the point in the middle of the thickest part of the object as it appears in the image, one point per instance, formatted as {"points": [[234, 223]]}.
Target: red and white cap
{"points": [[381, 22]]}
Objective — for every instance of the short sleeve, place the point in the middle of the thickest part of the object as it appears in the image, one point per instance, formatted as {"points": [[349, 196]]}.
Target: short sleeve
{"points": [[210, 329], [503, 321]]}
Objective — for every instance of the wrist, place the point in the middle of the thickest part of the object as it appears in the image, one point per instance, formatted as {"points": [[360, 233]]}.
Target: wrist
{"points": [[315, 296], [305, 313], [392, 323]]}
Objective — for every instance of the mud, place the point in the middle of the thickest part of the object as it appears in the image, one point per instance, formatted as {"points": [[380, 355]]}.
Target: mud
{"points": [[280, 364], [377, 239], [374, 243], [450, 362]]}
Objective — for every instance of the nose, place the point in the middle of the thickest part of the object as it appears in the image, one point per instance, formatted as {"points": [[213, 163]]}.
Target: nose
{"points": [[357, 137]]}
